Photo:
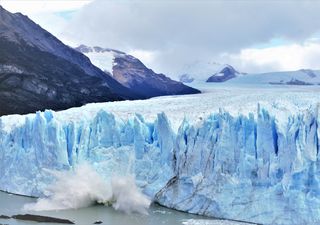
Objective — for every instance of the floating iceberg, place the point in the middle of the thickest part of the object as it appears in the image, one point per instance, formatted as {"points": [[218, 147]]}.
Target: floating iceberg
{"points": [[253, 167]]}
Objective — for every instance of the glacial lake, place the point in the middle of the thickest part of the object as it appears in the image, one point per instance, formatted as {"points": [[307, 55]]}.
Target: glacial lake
{"points": [[13, 204]]}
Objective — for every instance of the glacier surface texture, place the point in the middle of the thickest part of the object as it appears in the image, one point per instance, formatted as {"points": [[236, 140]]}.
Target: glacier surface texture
{"points": [[252, 167]]}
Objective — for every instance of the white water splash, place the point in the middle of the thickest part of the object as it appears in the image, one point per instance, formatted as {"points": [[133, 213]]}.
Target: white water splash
{"points": [[84, 187]]}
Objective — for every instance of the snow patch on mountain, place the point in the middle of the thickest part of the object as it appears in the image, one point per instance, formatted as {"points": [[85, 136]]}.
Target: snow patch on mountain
{"points": [[102, 58]]}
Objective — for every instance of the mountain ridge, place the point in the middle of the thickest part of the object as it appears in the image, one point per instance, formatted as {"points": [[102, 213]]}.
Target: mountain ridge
{"points": [[17, 26], [133, 74], [38, 71], [34, 76]]}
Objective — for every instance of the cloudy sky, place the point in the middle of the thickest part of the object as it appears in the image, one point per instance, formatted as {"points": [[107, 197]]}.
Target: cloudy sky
{"points": [[169, 36]]}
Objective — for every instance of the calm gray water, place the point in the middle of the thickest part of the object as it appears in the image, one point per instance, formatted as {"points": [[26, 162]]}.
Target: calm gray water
{"points": [[12, 204]]}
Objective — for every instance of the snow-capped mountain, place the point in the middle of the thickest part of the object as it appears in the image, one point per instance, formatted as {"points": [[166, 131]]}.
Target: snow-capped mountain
{"points": [[202, 71], [215, 72], [37, 71], [227, 73], [133, 74], [299, 77]]}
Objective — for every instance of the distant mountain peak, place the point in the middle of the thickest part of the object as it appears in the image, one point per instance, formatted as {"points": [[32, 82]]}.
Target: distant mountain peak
{"points": [[224, 74], [202, 71], [228, 69]]}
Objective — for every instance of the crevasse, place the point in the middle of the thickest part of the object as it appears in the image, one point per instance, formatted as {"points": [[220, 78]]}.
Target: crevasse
{"points": [[255, 168]]}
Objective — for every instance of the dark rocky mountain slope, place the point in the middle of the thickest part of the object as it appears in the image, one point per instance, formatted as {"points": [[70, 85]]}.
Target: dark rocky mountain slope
{"points": [[37, 71], [226, 73], [133, 74], [31, 80]]}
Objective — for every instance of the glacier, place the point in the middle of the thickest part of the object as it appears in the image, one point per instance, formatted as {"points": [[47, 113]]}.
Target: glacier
{"points": [[258, 167]]}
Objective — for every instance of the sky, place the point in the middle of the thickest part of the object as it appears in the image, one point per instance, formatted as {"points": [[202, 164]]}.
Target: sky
{"points": [[171, 36]]}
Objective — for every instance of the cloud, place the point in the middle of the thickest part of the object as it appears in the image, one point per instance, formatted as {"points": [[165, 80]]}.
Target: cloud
{"points": [[52, 15], [179, 32], [42, 6], [167, 35], [283, 57]]}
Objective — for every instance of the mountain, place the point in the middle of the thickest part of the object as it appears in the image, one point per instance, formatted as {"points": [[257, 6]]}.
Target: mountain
{"points": [[227, 73], [133, 74], [202, 71], [37, 71], [199, 71], [299, 77]]}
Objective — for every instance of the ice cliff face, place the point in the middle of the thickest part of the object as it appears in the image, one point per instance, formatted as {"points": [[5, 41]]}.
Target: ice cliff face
{"points": [[255, 168], [113, 146], [248, 168]]}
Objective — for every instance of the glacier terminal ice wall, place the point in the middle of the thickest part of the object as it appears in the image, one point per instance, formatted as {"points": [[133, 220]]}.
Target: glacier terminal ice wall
{"points": [[114, 147], [258, 168]]}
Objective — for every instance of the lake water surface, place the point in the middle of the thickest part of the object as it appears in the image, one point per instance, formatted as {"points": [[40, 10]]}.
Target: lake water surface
{"points": [[13, 204]]}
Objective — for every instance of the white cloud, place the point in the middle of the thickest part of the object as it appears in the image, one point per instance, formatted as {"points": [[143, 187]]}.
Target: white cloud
{"points": [[42, 6], [177, 32], [285, 57], [148, 57], [168, 35], [53, 15]]}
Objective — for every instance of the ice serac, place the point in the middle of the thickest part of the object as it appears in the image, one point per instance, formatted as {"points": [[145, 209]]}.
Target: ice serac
{"points": [[258, 167]]}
